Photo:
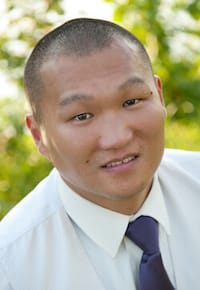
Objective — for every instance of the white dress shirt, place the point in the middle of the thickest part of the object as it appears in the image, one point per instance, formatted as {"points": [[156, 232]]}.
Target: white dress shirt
{"points": [[102, 233], [56, 240]]}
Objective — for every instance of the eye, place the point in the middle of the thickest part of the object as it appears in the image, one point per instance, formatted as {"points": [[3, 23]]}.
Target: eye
{"points": [[130, 102], [82, 117]]}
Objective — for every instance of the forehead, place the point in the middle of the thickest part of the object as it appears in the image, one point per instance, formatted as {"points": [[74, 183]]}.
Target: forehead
{"points": [[97, 72]]}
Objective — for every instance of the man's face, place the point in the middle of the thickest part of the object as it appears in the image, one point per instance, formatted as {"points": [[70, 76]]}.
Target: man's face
{"points": [[103, 124]]}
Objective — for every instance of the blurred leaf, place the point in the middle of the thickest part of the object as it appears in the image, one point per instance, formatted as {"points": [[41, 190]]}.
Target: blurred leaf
{"points": [[21, 165]]}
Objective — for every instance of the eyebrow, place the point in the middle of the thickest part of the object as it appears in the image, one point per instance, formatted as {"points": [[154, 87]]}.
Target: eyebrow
{"points": [[131, 82], [68, 99]]}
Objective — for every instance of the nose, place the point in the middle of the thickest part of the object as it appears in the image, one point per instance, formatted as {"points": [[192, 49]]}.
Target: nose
{"points": [[115, 133]]}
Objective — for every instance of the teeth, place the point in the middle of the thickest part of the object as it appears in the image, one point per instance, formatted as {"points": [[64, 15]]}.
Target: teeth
{"points": [[116, 163]]}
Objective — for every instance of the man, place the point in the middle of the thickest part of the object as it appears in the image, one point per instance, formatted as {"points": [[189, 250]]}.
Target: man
{"points": [[97, 113]]}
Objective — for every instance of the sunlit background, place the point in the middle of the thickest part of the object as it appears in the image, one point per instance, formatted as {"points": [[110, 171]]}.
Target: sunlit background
{"points": [[72, 9], [169, 29]]}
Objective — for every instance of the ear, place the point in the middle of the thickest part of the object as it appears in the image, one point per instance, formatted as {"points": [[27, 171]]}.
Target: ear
{"points": [[158, 83], [37, 135]]}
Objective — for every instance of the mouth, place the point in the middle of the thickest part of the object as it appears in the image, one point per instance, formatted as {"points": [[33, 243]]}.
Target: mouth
{"points": [[116, 163]]}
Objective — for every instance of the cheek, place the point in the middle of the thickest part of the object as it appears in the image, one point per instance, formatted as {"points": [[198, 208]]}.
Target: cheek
{"points": [[73, 145], [151, 123]]}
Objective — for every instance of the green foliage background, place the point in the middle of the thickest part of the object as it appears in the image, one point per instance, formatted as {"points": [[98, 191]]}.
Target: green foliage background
{"points": [[170, 31]]}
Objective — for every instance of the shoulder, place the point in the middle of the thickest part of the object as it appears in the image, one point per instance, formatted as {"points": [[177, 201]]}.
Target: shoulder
{"points": [[188, 160], [180, 166], [181, 155], [30, 212]]}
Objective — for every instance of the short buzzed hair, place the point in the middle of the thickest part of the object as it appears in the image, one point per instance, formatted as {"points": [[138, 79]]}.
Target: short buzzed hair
{"points": [[80, 36]]}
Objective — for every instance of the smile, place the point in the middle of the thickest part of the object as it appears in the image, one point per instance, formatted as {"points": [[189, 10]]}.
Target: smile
{"points": [[119, 162]]}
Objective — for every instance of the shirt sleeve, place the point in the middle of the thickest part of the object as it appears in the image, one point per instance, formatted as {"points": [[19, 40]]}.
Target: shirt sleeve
{"points": [[4, 283]]}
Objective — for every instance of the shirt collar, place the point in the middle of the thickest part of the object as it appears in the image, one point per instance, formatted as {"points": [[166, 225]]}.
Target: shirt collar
{"points": [[155, 207], [105, 227]]}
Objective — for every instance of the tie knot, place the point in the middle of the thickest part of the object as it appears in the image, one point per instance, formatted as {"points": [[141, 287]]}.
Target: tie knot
{"points": [[144, 233]]}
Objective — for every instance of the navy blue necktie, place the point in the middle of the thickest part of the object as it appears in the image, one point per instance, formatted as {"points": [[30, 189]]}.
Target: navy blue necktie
{"points": [[144, 233]]}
